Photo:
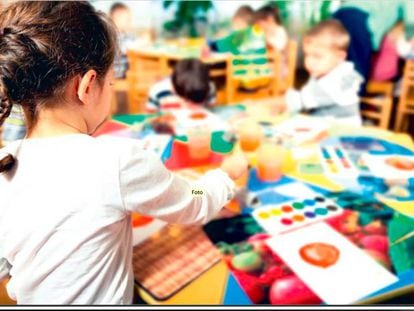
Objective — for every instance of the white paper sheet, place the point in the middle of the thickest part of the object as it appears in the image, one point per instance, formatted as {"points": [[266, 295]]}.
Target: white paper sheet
{"points": [[354, 275]]}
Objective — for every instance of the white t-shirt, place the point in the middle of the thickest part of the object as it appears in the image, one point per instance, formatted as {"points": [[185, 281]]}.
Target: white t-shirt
{"points": [[65, 225]]}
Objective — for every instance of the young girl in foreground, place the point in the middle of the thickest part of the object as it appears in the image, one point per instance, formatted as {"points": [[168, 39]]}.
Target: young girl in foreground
{"points": [[66, 203]]}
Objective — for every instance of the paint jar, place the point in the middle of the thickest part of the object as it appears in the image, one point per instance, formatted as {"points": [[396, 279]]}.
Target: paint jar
{"points": [[250, 135], [270, 162], [199, 141]]}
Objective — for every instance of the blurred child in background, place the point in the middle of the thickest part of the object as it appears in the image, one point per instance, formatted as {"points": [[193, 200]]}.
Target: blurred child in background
{"points": [[121, 16], [188, 85], [242, 20], [332, 90], [268, 18]]}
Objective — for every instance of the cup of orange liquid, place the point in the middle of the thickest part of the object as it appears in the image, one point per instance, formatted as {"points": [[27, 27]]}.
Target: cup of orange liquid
{"points": [[199, 136], [270, 162], [250, 135]]}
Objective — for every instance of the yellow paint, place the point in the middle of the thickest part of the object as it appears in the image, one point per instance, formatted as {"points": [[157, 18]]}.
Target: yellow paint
{"points": [[263, 215], [276, 212], [406, 208]]}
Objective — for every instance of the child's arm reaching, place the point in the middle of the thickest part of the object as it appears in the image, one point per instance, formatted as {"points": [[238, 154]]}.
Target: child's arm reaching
{"points": [[148, 188]]}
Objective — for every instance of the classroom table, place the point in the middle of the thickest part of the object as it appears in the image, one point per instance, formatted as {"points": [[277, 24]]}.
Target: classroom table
{"points": [[226, 289]]}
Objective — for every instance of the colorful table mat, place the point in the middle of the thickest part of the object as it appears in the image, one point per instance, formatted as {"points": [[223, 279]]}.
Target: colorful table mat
{"points": [[180, 157], [110, 127], [172, 258]]}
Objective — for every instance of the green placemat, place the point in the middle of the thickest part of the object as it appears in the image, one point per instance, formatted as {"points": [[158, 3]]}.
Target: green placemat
{"points": [[218, 143], [132, 119]]}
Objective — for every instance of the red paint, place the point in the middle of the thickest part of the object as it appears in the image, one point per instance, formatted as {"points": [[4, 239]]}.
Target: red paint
{"points": [[286, 221], [400, 163], [319, 254], [287, 208], [140, 220]]}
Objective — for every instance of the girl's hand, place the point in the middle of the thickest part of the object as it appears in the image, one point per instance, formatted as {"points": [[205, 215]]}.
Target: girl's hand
{"points": [[235, 165]]}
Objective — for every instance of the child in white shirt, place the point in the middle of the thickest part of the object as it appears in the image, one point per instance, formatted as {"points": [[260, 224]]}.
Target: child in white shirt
{"points": [[66, 203], [333, 86]]}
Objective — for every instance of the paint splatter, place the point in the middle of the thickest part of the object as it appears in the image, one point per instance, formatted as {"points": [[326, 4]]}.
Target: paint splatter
{"points": [[400, 163], [319, 254]]}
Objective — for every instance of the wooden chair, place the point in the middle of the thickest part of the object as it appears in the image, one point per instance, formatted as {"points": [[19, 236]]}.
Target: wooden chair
{"points": [[406, 101], [376, 105], [120, 86], [260, 71], [144, 70], [288, 79]]}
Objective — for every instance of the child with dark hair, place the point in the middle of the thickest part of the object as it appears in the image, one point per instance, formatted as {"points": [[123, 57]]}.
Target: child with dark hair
{"points": [[189, 84], [67, 197], [332, 89], [268, 18]]}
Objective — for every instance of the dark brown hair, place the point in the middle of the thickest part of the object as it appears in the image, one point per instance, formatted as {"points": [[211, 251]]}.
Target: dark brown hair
{"points": [[246, 13], [268, 11], [43, 44], [191, 81], [334, 30]]}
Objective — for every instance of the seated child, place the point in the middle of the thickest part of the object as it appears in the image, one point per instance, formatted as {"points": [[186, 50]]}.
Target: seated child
{"points": [[188, 85], [67, 199], [332, 89], [268, 19], [247, 39], [242, 19]]}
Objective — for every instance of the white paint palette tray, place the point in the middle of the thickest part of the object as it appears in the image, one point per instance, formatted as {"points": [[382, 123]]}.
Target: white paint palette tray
{"points": [[276, 219]]}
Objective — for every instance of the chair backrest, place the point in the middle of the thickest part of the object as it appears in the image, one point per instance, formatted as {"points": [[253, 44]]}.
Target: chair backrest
{"points": [[407, 87], [376, 105], [254, 71], [292, 57], [144, 70], [406, 101], [120, 86]]}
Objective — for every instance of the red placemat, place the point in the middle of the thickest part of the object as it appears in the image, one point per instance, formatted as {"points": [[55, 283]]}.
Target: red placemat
{"points": [[180, 157], [172, 258], [110, 127]]}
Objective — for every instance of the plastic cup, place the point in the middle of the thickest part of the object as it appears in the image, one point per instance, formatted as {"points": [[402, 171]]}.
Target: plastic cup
{"points": [[250, 136], [270, 162], [199, 141]]}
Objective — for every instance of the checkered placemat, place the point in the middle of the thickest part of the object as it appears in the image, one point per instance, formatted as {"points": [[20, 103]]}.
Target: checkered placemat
{"points": [[171, 258]]}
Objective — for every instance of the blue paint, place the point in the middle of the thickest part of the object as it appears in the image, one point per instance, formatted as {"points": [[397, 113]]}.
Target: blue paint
{"points": [[309, 202], [234, 294]]}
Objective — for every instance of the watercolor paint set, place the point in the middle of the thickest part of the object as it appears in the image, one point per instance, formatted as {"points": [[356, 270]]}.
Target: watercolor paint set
{"points": [[337, 163], [276, 219]]}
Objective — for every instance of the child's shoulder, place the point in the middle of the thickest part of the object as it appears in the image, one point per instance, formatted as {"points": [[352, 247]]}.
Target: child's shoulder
{"points": [[162, 85], [349, 76], [344, 75]]}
